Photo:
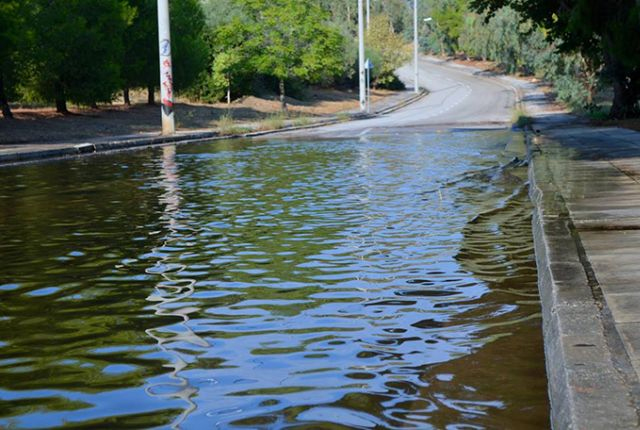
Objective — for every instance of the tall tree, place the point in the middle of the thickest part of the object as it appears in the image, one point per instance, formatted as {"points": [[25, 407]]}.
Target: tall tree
{"points": [[140, 66], [190, 51], [78, 49], [294, 40], [602, 30], [12, 35], [386, 48], [232, 53]]}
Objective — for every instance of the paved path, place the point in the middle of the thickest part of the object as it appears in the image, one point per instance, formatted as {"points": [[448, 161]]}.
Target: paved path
{"points": [[459, 97], [586, 189]]}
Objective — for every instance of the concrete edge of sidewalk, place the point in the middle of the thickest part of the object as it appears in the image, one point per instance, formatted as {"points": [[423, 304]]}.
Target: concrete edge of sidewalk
{"points": [[588, 372], [588, 387], [89, 147]]}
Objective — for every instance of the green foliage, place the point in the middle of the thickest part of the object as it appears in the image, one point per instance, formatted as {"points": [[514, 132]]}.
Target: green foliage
{"points": [[85, 51], [603, 31], [520, 46], [78, 48], [12, 36], [521, 120], [386, 49], [293, 39], [221, 12], [232, 50], [189, 49], [140, 65], [448, 16], [504, 38]]}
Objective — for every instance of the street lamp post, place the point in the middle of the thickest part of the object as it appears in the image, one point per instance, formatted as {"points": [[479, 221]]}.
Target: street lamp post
{"points": [[415, 46], [166, 68], [363, 93], [368, 14]]}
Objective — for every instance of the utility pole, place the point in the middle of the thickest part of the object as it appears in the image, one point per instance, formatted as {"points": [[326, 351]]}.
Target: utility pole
{"points": [[166, 68], [368, 14], [363, 89], [415, 46]]}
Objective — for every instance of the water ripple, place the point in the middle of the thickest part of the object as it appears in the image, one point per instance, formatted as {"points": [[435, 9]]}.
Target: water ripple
{"points": [[386, 283]]}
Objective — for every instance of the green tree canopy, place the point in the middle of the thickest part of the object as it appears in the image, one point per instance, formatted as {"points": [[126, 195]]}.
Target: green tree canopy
{"points": [[78, 48], [13, 31], [386, 48], [293, 39], [603, 30]]}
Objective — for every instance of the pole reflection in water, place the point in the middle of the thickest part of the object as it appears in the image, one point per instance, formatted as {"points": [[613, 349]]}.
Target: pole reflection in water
{"points": [[171, 291]]}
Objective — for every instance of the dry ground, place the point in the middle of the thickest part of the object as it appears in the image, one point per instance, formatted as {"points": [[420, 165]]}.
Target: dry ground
{"points": [[44, 125]]}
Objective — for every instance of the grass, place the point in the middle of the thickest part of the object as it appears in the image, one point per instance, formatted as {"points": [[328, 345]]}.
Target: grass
{"points": [[343, 116], [302, 121], [227, 126], [521, 119], [597, 113], [274, 121]]}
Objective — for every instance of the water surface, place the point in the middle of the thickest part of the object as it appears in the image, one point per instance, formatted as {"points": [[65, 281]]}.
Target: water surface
{"points": [[383, 282]]}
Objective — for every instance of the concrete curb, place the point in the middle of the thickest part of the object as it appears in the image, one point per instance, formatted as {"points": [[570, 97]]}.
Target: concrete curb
{"points": [[587, 389], [102, 146]]}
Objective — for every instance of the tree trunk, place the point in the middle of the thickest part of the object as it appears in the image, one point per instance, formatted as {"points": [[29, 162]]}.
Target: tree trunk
{"points": [[4, 103], [151, 95], [94, 105], [228, 89], [625, 83], [61, 99], [625, 95], [127, 99], [624, 100], [283, 100]]}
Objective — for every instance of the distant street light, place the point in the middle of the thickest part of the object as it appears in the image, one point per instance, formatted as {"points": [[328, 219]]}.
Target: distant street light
{"points": [[363, 90], [166, 68]]}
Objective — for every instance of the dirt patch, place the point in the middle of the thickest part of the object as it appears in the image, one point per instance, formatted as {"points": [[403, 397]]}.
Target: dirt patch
{"points": [[44, 125]]}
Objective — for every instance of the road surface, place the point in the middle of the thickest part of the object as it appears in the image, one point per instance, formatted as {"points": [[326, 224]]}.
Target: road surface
{"points": [[458, 98]]}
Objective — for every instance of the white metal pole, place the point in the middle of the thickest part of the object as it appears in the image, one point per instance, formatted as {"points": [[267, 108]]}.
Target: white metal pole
{"points": [[363, 94], [166, 68], [415, 46], [368, 14]]}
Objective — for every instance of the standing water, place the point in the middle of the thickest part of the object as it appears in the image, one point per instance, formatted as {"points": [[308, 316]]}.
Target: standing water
{"points": [[386, 282]]}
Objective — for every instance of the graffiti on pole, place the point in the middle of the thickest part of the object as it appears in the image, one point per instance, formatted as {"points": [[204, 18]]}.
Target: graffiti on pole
{"points": [[165, 47], [167, 78]]}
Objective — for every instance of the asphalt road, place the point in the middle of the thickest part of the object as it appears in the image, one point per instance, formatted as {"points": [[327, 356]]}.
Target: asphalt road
{"points": [[458, 98]]}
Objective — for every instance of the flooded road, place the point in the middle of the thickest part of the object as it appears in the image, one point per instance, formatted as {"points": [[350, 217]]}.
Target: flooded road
{"points": [[380, 282]]}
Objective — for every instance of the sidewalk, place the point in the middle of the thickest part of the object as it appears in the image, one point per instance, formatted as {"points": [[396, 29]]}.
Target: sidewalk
{"points": [[585, 186], [22, 152]]}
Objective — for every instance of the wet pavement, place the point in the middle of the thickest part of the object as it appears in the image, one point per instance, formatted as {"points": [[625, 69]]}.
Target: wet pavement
{"points": [[587, 198]]}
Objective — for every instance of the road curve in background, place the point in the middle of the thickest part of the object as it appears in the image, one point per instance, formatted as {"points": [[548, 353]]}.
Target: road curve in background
{"points": [[458, 98]]}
